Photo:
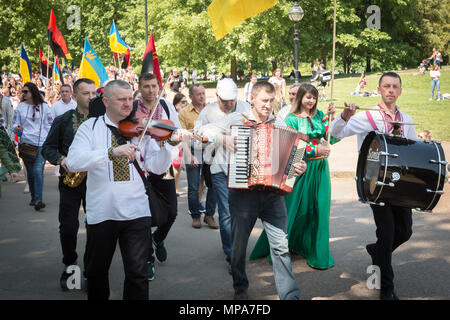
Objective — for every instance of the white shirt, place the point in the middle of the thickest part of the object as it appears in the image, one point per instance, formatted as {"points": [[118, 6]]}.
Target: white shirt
{"points": [[435, 74], [212, 114], [33, 133], [283, 113], [107, 199], [360, 125], [7, 112], [248, 91], [213, 130], [60, 107]]}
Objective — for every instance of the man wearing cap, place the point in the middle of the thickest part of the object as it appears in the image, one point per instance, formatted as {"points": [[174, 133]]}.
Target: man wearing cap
{"points": [[226, 103]]}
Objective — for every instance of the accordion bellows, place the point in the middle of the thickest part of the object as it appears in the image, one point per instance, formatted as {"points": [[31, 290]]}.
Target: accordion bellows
{"points": [[264, 158]]}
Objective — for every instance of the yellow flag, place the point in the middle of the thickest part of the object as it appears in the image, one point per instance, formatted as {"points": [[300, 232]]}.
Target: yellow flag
{"points": [[226, 14]]}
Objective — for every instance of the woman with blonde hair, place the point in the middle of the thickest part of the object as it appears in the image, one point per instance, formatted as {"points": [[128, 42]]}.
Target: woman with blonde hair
{"points": [[280, 89]]}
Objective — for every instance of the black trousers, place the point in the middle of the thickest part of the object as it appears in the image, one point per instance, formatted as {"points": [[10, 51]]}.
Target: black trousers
{"points": [[166, 187], [394, 227], [134, 238], [70, 200]]}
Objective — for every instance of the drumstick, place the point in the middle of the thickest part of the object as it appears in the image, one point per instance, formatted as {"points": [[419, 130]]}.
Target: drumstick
{"points": [[358, 108]]}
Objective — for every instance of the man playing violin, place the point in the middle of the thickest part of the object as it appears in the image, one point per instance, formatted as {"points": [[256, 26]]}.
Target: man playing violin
{"points": [[394, 223], [164, 183], [116, 202]]}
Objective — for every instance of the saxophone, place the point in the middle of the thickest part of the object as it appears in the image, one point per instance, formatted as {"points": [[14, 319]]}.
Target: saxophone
{"points": [[74, 179]]}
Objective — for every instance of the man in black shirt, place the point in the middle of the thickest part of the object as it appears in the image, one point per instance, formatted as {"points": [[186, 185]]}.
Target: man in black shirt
{"points": [[176, 82], [55, 150]]}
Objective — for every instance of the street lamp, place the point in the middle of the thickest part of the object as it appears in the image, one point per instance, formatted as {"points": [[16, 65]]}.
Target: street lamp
{"points": [[295, 15]]}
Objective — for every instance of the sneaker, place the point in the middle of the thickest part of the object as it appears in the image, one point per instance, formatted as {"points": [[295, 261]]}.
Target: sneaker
{"points": [[63, 280], [431, 99], [210, 222], [196, 223], [160, 251], [27, 189], [32, 203], [39, 205], [150, 270]]}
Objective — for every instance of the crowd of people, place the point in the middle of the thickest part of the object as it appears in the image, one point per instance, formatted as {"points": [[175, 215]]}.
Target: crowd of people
{"points": [[54, 123]]}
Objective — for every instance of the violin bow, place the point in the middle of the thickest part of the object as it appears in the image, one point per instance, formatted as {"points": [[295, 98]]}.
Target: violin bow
{"points": [[149, 120]]}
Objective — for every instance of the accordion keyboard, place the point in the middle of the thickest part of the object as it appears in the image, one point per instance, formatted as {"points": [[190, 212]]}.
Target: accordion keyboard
{"points": [[239, 166]]}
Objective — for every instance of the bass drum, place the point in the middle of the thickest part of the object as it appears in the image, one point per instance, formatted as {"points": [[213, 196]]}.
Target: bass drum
{"points": [[400, 171]]}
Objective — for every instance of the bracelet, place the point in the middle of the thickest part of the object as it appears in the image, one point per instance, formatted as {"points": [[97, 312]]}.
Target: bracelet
{"points": [[110, 153]]}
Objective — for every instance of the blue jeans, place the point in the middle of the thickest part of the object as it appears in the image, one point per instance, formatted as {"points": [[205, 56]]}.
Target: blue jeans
{"points": [[35, 176], [245, 207], [219, 181], [435, 84], [193, 175]]}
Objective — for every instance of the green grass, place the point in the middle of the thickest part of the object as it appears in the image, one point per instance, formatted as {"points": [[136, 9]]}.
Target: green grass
{"points": [[430, 115]]}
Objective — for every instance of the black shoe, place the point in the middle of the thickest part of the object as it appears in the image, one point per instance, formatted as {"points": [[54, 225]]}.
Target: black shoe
{"points": [[63, 280], [371, 250], [388, 295], [160, 251], [240, 295], [32, 203], [39, 205], [150, 271]]}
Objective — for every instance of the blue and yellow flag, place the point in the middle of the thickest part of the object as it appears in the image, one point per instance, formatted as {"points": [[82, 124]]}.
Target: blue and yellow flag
{"points": [[226, 14], [91, 67], [116, 43], [56, 70], [25, 65]]}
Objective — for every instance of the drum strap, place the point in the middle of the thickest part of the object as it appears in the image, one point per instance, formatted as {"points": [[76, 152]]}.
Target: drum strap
{"points": [[372, 122]]}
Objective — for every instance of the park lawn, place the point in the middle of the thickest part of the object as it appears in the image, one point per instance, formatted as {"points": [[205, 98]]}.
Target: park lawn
{"points": [[430, 115]]}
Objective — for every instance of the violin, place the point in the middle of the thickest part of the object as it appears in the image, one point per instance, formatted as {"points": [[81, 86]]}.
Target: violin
{"points": [[160, 130]]}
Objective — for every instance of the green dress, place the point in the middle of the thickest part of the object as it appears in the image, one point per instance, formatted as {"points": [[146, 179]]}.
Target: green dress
{"points": [[308, 206]]}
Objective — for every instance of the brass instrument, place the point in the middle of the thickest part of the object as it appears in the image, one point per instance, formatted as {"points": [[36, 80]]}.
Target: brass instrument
{"points": [[74, 179]]}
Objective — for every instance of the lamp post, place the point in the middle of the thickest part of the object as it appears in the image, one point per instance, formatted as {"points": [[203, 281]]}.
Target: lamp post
{"points": [[295, 15]]}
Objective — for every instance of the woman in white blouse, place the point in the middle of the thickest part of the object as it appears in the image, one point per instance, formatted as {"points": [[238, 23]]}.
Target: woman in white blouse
{"points": [[32, 121]]}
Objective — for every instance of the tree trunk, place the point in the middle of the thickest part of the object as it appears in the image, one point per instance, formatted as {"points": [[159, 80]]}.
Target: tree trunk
{"points": [[274, 65], [368, 65], [233, 68]]}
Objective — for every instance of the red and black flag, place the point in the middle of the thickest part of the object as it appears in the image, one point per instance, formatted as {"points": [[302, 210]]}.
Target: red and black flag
{"points": [[150, 63], [56, 39], [44, 65]]}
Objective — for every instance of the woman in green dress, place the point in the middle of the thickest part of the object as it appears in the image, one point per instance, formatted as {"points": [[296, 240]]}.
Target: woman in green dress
{"points": [[308, 206]]}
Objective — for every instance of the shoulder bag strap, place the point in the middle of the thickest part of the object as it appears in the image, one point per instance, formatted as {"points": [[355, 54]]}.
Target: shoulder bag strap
{"points": [[372, 122]]}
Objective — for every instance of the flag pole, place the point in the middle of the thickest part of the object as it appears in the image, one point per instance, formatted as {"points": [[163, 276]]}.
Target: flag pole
{"points": [[53, 73], [146, 23], [48, 63], [332, 66]]}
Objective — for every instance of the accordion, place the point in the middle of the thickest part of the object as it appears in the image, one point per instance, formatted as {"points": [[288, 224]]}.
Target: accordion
{"points": [[264, 157]]}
